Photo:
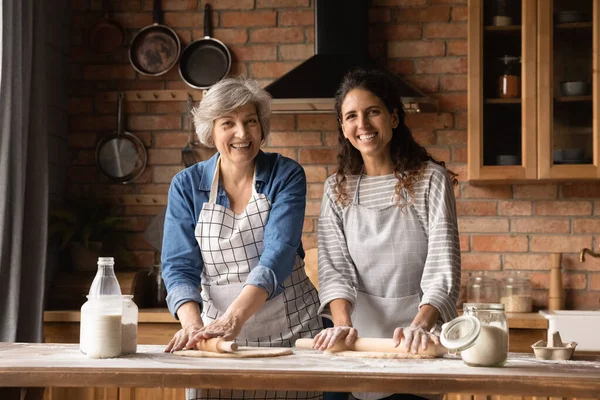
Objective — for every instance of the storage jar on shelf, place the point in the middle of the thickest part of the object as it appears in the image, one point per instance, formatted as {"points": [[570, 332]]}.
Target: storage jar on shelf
{"points": [[515, 293]]}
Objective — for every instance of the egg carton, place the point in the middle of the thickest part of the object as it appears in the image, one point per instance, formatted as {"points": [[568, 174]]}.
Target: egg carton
{"points": [[553, 348]]}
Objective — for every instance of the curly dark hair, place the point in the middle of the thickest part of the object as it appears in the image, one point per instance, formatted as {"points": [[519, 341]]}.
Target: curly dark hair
{"points": [[408, 156]]}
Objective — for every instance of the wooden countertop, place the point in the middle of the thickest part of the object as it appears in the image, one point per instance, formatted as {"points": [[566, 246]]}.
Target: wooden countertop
{"points": [[162, 315], [39, 365]]}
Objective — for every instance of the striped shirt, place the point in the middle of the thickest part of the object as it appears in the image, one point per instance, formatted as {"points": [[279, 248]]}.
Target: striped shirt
{"points": [[435, 207]]}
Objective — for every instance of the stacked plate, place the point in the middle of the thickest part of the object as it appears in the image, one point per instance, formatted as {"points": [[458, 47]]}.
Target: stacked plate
{"points": [[564, 17]]}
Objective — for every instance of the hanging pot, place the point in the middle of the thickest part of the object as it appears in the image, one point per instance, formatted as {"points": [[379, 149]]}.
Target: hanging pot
{"points": [[206, 61], [106, 35], [121, 156], [155, 49]]}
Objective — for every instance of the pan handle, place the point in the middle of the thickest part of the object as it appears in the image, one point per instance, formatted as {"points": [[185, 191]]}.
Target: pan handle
{"points": [[156, 12], [120, 127], [106, 8], [207, 22]]}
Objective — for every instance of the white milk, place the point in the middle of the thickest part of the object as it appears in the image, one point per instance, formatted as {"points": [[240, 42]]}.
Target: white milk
{"points": [[100, 335]]}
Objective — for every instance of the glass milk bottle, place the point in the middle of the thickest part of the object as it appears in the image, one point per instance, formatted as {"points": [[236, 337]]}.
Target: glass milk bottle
{"points": [[101, 315], [129, 325]]}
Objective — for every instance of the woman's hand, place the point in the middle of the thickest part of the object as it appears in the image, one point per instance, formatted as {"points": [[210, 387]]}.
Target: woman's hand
{"points": [[227, 327], [181, 338], [327, 338], [413, 337]]}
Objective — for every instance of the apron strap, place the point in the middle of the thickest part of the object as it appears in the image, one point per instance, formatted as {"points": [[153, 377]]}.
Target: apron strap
{"points": [[214, 188], [358, 184]]}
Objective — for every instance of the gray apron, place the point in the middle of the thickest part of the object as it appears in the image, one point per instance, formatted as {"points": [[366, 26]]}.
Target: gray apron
{"points": [[231, 245], [388, 247]]}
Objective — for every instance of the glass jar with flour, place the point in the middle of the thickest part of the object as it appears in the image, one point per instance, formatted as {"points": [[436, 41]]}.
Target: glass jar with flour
{"points": [[480, 335], [129, 326], [101, 315]]}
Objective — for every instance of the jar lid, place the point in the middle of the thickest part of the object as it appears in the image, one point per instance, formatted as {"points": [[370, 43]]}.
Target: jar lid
{"points": [[460, 333], [469, 307]]}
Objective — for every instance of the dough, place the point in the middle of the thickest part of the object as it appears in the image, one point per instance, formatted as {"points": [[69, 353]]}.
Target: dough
{"points": [[378, 354], [241, 352]]}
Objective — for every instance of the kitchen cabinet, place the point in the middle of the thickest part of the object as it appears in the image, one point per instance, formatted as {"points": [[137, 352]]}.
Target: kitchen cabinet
{"points": [[157, 326], [547, 129]]}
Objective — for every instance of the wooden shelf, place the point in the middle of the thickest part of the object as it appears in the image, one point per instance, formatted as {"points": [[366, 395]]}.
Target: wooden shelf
{"points": [[570, 99], [574, 25], [508, 28], [502, 101], [152, 95]]}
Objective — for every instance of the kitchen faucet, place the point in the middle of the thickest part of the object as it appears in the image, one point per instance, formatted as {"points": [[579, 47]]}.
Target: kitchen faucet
{"points": [[590, 252]]}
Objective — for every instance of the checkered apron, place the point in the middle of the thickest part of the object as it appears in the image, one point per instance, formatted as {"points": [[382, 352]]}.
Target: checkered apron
{"points": [[388, 247], [231, 245]]}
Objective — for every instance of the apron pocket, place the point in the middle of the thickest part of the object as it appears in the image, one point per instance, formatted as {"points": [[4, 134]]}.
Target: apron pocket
{"points": [[376, 316], [270, 319]]}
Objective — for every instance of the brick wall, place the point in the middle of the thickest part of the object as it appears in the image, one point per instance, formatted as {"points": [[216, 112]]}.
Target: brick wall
{"points": [[502, 227]]}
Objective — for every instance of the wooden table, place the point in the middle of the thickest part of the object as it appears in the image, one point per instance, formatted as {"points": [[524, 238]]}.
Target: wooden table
{"points": [[26, 365]]}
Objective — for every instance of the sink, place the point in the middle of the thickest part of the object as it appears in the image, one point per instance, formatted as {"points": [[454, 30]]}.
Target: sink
{"points": [[579, 326]]}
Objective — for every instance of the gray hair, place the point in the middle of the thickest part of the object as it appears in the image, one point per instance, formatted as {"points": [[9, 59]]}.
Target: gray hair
{"points": [[224, 97]]}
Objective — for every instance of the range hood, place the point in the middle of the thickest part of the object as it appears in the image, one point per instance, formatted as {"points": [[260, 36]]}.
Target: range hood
{"points": [[341, 44]]}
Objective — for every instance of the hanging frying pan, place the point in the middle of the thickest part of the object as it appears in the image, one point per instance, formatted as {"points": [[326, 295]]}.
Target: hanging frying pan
{"points": [[106, 35], [155, 49], [206, 61], [121, 156]]}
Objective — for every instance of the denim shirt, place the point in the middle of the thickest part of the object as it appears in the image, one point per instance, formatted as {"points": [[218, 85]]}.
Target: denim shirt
{"points": [[281, 179]]}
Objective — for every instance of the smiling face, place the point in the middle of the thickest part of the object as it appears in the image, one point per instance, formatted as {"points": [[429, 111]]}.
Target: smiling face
{"points": [[367, 123], [237, 135]]}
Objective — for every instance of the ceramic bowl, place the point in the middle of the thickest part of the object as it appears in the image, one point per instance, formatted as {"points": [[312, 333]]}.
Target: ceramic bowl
{"points": [[575, 88]]}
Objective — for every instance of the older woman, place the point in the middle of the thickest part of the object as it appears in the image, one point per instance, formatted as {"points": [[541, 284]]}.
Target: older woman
{"points": [[233, 226], [389, 254]]}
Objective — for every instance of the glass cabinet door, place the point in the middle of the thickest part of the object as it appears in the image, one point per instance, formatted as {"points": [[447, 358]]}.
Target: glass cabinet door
{"points": [[502, 90], [568, 95]]}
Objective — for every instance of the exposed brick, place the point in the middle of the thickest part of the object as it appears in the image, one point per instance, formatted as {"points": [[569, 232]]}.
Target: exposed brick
{"points": [[487, 192], [170, 139], [313, 207], [295, 139], [453, 83], [231, 4], [445, 137], [459, 154], [317, 122], [546, 191], [155, 123], [314, 191], [271, 69], [308, 225], [227, 36], [232, 19], [133, 20], [296, 51], [427, 83], [464, 243], [457, 47], [277, 35], [317, 156], [290, 152], [394, 32], [594, 282], [586, 225], [186, 19], [581, 190], [93, 123], [500, 243], [164, 157], [460, 170], [80, 105], [281, 3], [562, 208], [315, 174], [283, 122], [403, 3], [296, 18], [309, 241], [514, 207], [176, 4], [379, 15], [429, 120], [452, 101], [440, 153], [482, 225], [452, 2], [559, 243], [331, 138], [441, 65], [437, 30], [461, 120], [142, 210], [238, 69], [540, 225], [460, 13], [84, 157], [424, 137], [596, 207], [164, 174], [475, 207], [82, 140], [527, 262], [255, 52], [416, 48], [480, 262], [422, 14], [402, 67], [166, 107]]}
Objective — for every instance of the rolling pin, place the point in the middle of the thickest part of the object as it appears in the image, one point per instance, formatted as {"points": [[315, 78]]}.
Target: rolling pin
{"points": [[216, 345], [375, 345]]}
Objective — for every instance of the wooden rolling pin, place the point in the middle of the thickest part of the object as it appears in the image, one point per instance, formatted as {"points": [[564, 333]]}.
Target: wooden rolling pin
{"points": [[216, 345], [376, 345]]}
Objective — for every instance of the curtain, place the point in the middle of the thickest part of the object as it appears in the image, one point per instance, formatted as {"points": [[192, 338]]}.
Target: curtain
{"points": [[23, 175]]}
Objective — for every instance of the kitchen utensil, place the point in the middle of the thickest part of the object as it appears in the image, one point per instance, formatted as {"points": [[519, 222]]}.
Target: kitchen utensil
{"points": [[155, 49], [554, 348], [575, 88], [217, 345], [121, 156], [206, 61], [555, 292], [375, 345], [106, 35], [187, 153], [241, 352]]}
